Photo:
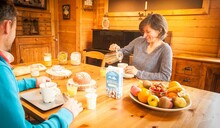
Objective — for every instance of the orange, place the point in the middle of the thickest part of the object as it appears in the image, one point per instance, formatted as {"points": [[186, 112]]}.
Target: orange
{"points": [[173, 83], [143, 95], [172, 95]]}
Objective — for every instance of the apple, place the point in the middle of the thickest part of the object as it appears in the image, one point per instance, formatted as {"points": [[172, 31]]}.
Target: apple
{"points": [[135, 90], [153, 100], [180, 102], [165, 102]]}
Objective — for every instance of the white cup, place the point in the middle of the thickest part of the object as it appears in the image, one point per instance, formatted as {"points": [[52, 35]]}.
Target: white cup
{"points": [[91, 100], [49, 91], [122, 65]]}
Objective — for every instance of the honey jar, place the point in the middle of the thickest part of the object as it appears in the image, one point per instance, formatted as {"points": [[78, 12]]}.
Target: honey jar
{"points": [[62, 57]]}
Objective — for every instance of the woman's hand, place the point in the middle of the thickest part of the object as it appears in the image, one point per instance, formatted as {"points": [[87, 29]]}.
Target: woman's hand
{"points": [[73, 106], [130, 70], [114, 47], [42, 79]]}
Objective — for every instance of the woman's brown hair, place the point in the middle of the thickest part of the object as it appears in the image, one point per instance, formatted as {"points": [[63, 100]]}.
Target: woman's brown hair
{"points": [[156, 22]]}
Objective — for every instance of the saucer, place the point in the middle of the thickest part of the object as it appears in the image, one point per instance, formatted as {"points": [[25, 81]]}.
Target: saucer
{"points": [[126, 75]]}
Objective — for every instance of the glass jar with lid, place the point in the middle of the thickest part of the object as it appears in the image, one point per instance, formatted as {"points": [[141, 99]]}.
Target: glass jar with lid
{"points": [[47, 59], [62, 57], [75, 58]]}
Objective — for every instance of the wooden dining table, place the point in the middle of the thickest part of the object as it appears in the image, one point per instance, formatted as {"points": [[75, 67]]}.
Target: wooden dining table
{"points": [[125, 112]]}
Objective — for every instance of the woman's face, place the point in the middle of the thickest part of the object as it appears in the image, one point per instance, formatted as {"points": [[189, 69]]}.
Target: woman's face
{"points": [[150, 34]]}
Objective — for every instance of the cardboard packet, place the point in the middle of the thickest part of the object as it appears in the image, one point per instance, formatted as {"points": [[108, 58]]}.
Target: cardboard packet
{"points": [[114, 82]]}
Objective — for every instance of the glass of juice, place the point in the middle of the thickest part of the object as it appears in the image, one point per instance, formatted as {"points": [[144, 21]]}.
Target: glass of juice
{"points": [[72, 89], [47, 59]]}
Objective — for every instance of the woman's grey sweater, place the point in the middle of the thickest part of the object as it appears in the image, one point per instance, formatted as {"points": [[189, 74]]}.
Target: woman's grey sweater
{"points": [[156, 65]]}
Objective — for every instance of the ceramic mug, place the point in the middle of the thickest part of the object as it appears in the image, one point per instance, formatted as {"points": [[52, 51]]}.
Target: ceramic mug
{"points": [[122, 65], [49, 91]]}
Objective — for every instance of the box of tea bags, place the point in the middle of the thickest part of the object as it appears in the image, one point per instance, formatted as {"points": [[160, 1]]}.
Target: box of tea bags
{"points": [[114, 82]]}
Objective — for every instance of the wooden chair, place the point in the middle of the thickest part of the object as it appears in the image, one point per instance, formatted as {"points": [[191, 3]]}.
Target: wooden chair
{"points": [[94, 55]]}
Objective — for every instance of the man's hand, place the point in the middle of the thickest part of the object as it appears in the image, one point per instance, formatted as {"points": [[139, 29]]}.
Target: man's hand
{"points": [[42, 79], [73, 106]]}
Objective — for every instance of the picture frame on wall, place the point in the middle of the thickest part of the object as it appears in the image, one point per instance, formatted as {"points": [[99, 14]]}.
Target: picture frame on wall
{"points": [[38, 4], [66, 11], [88, 4]]}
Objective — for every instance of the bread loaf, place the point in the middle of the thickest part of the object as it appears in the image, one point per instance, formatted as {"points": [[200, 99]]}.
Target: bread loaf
{"points": [[82, 78]]}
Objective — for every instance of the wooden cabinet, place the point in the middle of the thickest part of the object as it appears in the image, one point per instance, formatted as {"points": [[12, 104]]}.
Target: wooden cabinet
{"points": [[203, 73], [31, 48], [187, 72]]}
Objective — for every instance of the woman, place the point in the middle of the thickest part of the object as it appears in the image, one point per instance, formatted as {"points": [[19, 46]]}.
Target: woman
{"points": [[152, 57]]}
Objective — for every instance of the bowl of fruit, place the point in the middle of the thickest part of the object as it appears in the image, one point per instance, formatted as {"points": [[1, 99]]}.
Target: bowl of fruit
{"points": [[170, 96]]}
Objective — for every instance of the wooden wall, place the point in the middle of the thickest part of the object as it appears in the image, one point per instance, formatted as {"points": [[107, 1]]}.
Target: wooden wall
{"points": [[191, 34], [75, 34], [67, 28], [44, 17]]}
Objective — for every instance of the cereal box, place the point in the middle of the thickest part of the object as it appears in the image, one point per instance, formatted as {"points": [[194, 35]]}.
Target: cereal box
{"points": [[114, 82]]}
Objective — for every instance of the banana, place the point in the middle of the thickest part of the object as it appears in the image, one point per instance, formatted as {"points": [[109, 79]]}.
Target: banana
{"points": [[175, 89], [173, 84]]}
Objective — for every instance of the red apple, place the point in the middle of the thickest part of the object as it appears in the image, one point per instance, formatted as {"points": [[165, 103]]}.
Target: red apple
{"points": [[165, 102], [135, 90]]}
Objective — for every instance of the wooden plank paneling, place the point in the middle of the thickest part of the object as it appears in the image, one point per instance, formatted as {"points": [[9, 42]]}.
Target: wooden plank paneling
{"points": [[67, 28], [193, 34], [44, 21]]}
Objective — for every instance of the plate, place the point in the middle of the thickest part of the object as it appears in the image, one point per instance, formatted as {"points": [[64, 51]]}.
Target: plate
{"points": [[35, 98], [160, 109], [128, 75], [58, 72], [23, 70], [82, 87]]}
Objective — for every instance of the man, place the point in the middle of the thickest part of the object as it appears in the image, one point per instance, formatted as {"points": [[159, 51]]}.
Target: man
{"points": [[12, 113]]}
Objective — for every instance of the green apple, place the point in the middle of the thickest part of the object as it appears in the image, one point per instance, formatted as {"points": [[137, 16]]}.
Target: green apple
{"points": [[153, 100], [180, 102]]}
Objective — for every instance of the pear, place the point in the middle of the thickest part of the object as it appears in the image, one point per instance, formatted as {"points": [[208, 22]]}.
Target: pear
{"points": [[147, 84], [180, 102]]}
